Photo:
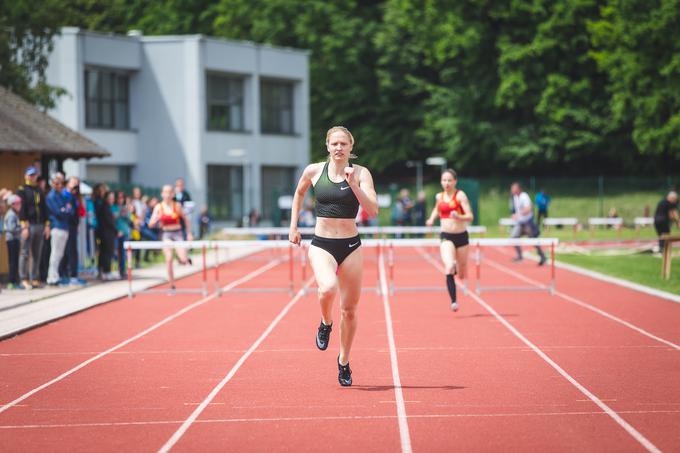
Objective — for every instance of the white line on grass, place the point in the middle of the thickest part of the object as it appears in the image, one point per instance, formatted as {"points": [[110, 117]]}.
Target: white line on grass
{"points": [[585, 305], [194, 415], [618, 281], [175, 315], [398, 394], [649, 446], [666, 296]]}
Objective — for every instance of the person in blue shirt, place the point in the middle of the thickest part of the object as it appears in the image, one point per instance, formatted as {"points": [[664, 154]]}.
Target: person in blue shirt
{"points": [[542, 201], [59, 209], [68, 269]]}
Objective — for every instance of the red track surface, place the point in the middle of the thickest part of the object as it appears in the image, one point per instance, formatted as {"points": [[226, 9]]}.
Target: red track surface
{"points": [[468, 381]]}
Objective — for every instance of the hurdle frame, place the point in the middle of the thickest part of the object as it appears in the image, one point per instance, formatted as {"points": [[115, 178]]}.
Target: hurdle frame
{"points": [[514, 242], [128, 246], [475, 244], [205, 246]]}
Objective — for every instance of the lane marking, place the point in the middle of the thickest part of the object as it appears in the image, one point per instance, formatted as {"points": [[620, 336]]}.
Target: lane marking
{"points": [[580, 303], [670, 297], [177, 314], [398, 394], [264, 350], [608, 410], [201, 407], [329, 418], [666, 296]]}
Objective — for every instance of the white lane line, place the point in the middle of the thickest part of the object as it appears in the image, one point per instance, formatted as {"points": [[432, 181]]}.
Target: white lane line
{"points": [[331, 418], [194, 415], [177, 314], [649, 446], [670, 297], [398, 394], [580, 303], [664, 295]]}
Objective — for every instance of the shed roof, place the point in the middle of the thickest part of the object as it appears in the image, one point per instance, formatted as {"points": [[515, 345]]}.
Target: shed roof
{"points": [[25, 129]]}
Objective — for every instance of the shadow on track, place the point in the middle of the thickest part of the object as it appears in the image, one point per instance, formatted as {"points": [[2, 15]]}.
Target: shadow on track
{"points": [[486, 315], [384, 388]]}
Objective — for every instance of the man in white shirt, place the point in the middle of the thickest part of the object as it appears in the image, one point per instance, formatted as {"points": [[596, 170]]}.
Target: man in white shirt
{"points": [[524, 220]]}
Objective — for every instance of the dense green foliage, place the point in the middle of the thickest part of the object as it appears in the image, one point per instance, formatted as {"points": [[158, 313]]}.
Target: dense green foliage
{"points": [[25, 42], [495, 86]]}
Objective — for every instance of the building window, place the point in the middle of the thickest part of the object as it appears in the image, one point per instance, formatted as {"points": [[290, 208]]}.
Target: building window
{"points": [[276, 181], [276, 100], [225, 192], [107, 100], [225, 103]]}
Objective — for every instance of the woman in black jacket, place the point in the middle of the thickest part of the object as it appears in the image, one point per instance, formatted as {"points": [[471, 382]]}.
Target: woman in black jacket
{"points": [[106, 229]]}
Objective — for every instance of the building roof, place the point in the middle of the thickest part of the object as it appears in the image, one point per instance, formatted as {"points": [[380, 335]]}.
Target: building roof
{"points": [[25, 129]]}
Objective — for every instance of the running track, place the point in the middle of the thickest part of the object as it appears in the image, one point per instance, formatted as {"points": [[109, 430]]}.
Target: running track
{"points": [[595, 367]]}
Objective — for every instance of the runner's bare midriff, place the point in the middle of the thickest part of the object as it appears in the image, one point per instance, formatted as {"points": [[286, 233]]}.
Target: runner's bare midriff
{"points": [[453, 226], [335, 228]]}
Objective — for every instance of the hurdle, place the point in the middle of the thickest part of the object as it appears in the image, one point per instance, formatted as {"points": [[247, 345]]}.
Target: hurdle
{"points": [[153, 245], [476, 245], [250, 247], [386, 248], [257, 246], [377, 231], [514, 242]]}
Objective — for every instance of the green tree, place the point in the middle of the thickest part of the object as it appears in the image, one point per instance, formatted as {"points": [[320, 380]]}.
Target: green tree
{"points": [[638, 46], [340, 38], [26, 32]]}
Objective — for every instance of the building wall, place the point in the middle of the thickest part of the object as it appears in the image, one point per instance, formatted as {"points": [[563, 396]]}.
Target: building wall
{"points": [[168, 136]]}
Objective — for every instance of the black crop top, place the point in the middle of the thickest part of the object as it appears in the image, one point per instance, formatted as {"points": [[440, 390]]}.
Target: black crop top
{"points": [[334, 200]]}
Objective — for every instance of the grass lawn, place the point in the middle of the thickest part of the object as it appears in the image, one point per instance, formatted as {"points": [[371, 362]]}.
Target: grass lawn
{"points": [[644, 269]]}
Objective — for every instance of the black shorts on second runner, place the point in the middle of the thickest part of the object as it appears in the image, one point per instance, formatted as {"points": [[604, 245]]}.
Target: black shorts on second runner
{"points": [[339, 248], [458, 239]]}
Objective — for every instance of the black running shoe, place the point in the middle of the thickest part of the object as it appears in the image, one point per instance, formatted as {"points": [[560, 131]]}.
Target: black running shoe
{"points": [[344, 374], [322, 335]]}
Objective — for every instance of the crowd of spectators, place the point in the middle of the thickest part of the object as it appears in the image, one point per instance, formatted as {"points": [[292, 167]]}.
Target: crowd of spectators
{"points": [[49, 225]]}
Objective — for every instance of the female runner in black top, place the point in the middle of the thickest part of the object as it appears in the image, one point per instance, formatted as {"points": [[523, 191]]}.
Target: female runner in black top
{"points": [[335, 253]]}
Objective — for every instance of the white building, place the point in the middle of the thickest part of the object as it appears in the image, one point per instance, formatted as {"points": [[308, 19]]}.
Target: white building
{"points": [[231, 118]]}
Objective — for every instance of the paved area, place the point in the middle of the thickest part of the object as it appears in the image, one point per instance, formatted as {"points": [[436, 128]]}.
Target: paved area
{"points": [[21, 310]]}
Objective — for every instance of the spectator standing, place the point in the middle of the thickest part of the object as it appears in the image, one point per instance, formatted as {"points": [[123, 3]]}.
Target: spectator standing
{"points": [[12, 230], [666, 211], [204, 222], [253, 217], [401, 210], [542, 201], [69, 264], [138, 203], [420, 211], [407, 207], [121, 214], [182, 196], [106, 230], [35, 228], [47, 244], [60, 209], [524, 220]]}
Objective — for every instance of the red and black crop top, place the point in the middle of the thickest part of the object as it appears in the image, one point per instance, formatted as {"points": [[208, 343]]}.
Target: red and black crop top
{"points": [[170, 218], [447, 207]]}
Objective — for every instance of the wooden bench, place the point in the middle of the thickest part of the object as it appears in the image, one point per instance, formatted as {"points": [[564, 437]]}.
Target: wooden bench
{"points": [[561, 221], [641, 222], [615, 222]]}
